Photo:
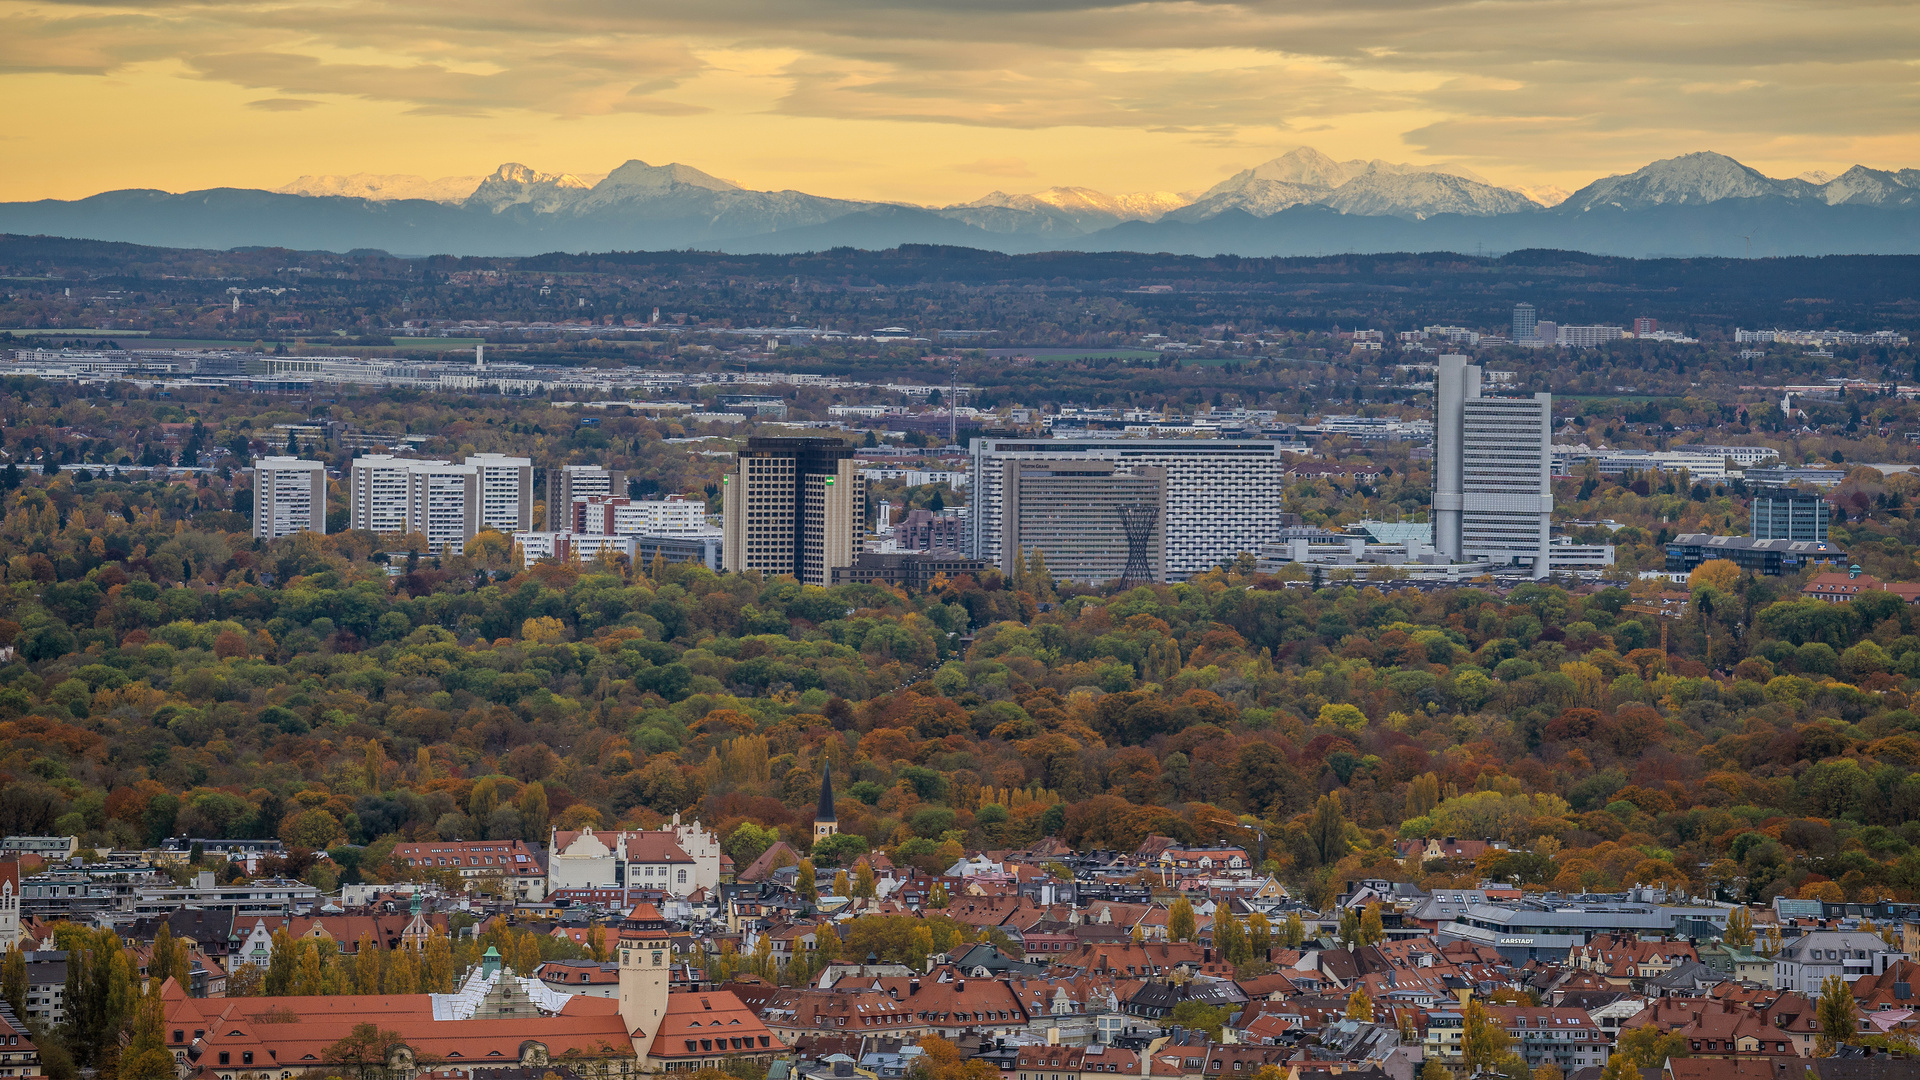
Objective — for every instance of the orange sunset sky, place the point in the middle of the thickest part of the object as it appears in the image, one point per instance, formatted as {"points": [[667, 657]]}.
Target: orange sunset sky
{"points": [[936, 102]]}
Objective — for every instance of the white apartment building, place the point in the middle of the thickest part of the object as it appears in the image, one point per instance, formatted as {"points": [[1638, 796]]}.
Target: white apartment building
{"points": [[506, 491], [574, 546], [377, 492], [1223, 496], [1587, 337], [633, 517], [1493, 472], [289, 496], [443, 504]]}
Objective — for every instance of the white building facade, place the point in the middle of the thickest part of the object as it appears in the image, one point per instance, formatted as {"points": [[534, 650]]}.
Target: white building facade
{"points": [[289, 496], [678, 859], [1223, 497], [505, 486], [1493, 472]]}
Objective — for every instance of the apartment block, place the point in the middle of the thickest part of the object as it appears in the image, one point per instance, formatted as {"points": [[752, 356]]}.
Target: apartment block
{"points": [[1223, 496], [1493, 471], [622, 516], [571, 483], [1074, 513], [793, 506], [1783, 513], [289, 496], [506, 491], [377, 492]]}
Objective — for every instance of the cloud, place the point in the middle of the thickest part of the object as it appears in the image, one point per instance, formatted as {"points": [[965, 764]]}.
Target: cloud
{"points": [[1505, 85], [282, 104], [1010, 167]]}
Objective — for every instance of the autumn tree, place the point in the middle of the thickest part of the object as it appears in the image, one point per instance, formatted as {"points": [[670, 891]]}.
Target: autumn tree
{"points": [[1327, 831], [1739, 927], [1484, 1041], [1372, 928], [366, 1052], [1181, 925], [1837, 1015], [1360, 1005]]}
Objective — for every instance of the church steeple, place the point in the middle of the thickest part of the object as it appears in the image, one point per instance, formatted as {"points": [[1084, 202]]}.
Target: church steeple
{"points": [[824, 823]]}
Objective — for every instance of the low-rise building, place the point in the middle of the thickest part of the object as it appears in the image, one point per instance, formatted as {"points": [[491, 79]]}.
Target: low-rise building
{"points": [[510, 863]]}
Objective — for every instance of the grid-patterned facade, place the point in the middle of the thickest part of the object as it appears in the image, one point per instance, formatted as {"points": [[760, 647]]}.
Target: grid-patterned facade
{"points": [[571, 482], [289, 496], [1789, 514], [1071, 512], [1223, 497], [793, 506], [443, 505], [377, 492], [1493, 471], [506, 492]]}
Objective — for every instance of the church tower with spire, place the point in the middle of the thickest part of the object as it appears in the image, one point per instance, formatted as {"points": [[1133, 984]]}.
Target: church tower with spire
{"points": [[824, 823]]}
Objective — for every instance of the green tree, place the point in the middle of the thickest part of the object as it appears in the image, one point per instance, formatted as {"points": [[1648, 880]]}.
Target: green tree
{"points": [[1293, 933], [281, 965], [1195, 1016], [1181, 925], [99, 994], [13, 980], [1327, 831], [863, 883], [168, 960], [534, 814], [146, 1056], [1837, 1015]]}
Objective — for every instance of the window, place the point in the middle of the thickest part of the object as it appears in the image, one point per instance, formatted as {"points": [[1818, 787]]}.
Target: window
{"points": [[224, 1056]]}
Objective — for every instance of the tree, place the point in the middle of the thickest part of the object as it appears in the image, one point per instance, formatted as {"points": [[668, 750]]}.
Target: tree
{"points": [[1229, 937], [805, 883], [1349, 927], [1294, 933], [1718, 574], [534, 814], [1646, 1047], [281, 965], [1484, 1041], [863, 883], [1837, 1016], [168, 959], [146, 1056], [13, 980], [1433, 1070], [1360, 1005], [99, 993], [1181, 925], [1327, 831], [1196, 1016], [1372, 927], [365, 1052], [1739, 927]]}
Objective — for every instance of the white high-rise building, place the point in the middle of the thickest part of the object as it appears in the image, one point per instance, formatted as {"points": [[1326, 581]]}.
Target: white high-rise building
{"points": [[377, 492], [1223, 497], [506, 492], [289, 496], [1493, 471], [634, 517], [443, 504]]}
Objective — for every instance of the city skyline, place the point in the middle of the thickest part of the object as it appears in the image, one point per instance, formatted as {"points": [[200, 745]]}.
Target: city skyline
{"points": [[936, 105]]}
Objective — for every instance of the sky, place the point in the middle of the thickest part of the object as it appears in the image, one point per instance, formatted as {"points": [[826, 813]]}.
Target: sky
{"points": [[938, 101]]}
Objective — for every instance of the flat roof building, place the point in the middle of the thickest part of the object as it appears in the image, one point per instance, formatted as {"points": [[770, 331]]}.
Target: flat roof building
{"points": [[289, 496]]}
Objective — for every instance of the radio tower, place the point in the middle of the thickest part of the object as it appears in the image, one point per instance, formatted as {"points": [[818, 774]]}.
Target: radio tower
{"points": [[1137, 521]]}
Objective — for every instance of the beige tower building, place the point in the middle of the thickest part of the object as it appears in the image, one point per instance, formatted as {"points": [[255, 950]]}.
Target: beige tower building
{"points": [[646, 966], [793, 506]]}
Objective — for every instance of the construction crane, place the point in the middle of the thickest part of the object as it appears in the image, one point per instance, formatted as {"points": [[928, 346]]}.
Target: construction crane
{"points": [[1663, 609]]}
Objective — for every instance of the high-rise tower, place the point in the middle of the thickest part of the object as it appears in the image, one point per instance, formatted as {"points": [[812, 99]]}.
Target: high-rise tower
{"points": [[1493, 471], [646, 964]]}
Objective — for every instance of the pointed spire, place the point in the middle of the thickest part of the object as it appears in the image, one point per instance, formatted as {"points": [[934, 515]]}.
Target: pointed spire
{"points": [[826, 796]]}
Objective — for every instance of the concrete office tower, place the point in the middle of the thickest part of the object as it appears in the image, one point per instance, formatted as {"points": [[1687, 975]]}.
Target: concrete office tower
{"points": [[793, 506], [1070, 511], [443, 504], [1524, 321], [1781, 513], [1224, 496], [571, 482], [1493, 471], [289, 496], [506, 492]]}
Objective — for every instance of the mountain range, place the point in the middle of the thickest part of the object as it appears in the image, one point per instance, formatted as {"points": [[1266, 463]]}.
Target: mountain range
{"points": [[1300, 203]]}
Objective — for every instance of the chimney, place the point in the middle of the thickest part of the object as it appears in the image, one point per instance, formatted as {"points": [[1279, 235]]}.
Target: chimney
{"points": [[913, 987], [960, 986]]}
